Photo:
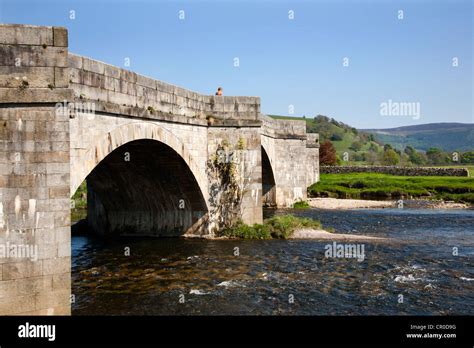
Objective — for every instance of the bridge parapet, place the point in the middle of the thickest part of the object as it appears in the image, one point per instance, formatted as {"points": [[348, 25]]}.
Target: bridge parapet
{"points": [[283, 129], [33, 64], [117, 89]]}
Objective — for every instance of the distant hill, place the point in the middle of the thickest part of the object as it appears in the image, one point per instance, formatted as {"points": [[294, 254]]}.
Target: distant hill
{"points": [[446, 136]]}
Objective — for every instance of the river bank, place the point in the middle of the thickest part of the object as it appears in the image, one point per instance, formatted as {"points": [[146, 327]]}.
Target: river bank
{"points": [[341, 203], [313, 234], [384, 187]]}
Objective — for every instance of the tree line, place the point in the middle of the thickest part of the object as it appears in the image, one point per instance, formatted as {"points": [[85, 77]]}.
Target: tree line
{"points": [[391, 156]]}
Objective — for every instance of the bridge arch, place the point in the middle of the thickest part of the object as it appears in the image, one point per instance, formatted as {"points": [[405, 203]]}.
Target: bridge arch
{"points": [[142, 180], [268, 179]]}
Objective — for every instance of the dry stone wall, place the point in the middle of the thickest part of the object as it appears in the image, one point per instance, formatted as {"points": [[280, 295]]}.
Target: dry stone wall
{"points": [[403, 171]]}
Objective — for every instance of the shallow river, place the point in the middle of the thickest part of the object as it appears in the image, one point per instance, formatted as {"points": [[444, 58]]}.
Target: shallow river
{"points": [[426, 266]]}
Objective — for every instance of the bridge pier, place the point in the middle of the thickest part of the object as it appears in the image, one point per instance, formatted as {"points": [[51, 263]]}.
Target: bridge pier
{"points": [[34, 170]]}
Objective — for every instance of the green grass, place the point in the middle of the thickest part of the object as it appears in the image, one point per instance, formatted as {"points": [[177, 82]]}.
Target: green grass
{"points": [[277, 227], [383, 186], [301, 205]]}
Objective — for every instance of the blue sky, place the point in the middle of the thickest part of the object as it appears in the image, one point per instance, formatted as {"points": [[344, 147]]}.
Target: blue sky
{"points": [[286, 62]]}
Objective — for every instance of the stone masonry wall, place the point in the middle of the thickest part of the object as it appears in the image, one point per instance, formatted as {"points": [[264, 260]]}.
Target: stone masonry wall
{"points": [[312, 159], [34, 172], [403, 171], [239, 147]]}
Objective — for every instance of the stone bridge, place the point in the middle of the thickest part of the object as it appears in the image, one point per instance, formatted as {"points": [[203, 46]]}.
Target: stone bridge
{"points": [[159, 160]]}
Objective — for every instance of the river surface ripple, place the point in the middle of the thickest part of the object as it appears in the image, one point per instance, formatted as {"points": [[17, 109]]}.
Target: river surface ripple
{"points": [[416, 262]]}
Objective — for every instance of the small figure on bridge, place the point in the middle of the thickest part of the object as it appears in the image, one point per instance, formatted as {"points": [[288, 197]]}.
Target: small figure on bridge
{"points": [[219, 91]]}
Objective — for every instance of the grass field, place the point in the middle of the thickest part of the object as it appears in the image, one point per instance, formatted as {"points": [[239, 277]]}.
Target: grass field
{"points": [[383, 186]]}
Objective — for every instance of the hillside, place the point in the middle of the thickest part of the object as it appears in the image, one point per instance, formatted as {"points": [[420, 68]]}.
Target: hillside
{"points": [[446, 136], [346, 139]]}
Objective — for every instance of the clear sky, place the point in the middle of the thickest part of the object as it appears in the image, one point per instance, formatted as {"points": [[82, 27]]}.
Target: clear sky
{"points": [[285, 61]]}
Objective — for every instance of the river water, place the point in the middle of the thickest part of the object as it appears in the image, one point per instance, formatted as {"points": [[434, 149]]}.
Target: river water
{"points": [[424, 267]]}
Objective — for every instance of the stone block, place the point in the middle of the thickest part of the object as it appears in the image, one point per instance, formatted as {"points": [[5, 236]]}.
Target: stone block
{"points": [[58, 298], [74, 61], [56, 265], [44, 223], [92, 79], [60, 36], [17, 304], [15, 34], [112, 84], [34, 95], [63, 234], [146, 81], [93, 66], [61, 77], [112, 71], [64, 250], [62, 218], [23, 269], [59, 192], [31, 56], [34, 285], [61, 281], [24, 77], [47, 251], [128, 76], [8, 288]]}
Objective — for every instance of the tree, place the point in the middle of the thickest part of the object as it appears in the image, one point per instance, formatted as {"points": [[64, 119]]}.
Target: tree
{"points": [[371, 157], [414, 156], [327, 154], [336, 137], [436, 156], [373, 147], [467, 157], [390, 158], [409, 150], [387, 147], [356, 145]]}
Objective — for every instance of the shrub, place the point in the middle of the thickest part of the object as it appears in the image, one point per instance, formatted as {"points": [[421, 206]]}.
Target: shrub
{"points": [[277, 227], [327, 154], [300, 205]]}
